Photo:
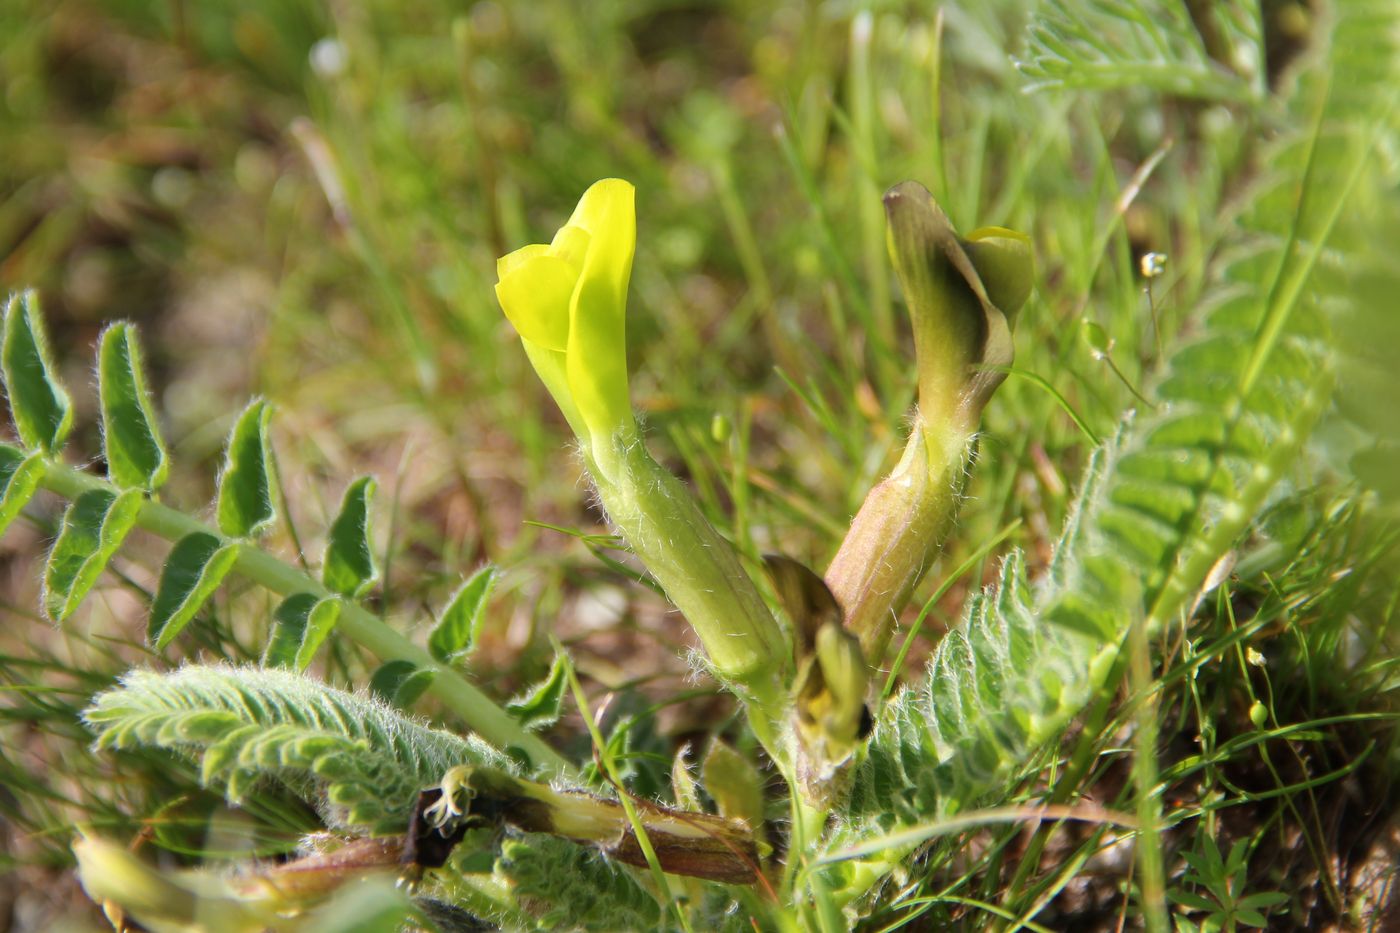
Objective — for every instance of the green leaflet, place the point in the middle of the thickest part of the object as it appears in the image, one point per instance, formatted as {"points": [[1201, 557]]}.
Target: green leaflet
{"points": [[348, 567], [288, 629], [19, 478], [539, 707], [245, 508], [324, 615], [196, 566], [574, 886], [400, 683], [248, 724], [40, 406], [301, 624], [94, 526], [455, 634], [135, 452], [1140, 43]]}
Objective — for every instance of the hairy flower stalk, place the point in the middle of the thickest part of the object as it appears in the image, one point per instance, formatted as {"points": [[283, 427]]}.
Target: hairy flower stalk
{"points": [[568, 301], [961, 295]]}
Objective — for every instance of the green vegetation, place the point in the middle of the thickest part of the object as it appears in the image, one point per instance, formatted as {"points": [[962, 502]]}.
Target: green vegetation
{"points": [[1107, 634]]}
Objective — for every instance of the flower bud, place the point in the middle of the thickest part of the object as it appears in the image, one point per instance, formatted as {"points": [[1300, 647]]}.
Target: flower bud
{"points": [[961, 294]]}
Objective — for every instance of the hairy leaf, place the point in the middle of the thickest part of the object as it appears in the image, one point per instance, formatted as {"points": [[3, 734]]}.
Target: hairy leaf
{"points": [[349, 568], [196, 566], [245, 508], [1155, 44], [400, 683], [288, 629], [39, 404], [300, 626], [94, 526], [540, 705], [365, 761], [19, 479], [319, 625], [136, 455], [575, 887], [456, 631]]}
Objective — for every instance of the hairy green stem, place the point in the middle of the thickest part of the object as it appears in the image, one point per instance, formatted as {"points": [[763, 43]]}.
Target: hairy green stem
{"points": [[701, 574], [481, 714]]}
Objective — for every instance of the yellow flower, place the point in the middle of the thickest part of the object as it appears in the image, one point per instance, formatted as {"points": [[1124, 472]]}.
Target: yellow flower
{"points": [[568, 301]]}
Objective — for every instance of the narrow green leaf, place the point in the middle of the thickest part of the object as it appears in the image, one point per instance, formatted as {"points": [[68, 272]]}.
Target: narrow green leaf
{"points": [[288, 629], [196, 566], [324, 615], [400, 683], [94, 527], [457, 629], [245, 507], [348, 568], [19, 478], [40, 406], [540, 706], [135, 453]]}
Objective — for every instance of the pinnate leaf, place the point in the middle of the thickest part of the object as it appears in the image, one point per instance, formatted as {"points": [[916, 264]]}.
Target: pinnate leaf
{"points": [[136, 455]]}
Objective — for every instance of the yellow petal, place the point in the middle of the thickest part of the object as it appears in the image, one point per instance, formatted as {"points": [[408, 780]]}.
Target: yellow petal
{"points": [[570, 243], [536, 294], [511, 261], [1006, 265], [597, 338]]}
